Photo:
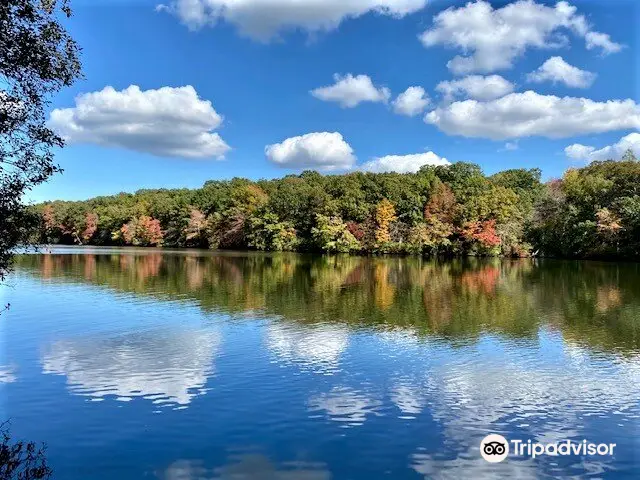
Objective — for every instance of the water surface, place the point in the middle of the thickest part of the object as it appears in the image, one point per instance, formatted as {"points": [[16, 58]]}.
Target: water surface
{"points": [[143, 363]]}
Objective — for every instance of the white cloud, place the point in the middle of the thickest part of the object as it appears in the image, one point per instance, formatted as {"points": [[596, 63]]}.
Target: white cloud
{"points": [[532, 114], [412, 102], [168, 122], [603, 41], [610, 152], [511, 146], [403, 163], [349, 91], [578, 151], [492, 39], [263, 19], [477, 87], [321, 150], [557, 70]]}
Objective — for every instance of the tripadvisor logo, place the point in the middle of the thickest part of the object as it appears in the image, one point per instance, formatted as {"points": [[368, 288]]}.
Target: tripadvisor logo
{"points": [[495, 448]]}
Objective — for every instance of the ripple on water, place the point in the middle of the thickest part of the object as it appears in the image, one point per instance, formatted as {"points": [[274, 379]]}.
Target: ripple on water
{"points": [[164, 366]]}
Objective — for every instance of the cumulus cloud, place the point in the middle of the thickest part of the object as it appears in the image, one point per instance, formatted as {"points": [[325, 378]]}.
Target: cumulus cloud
{"points": [[168, 122], [556, 70], [532, 114], [320, 150], [263, 19], [602, 41], [477, 87], [349, 91], [403, 163], [492, 39], [411, 102], [610, 152]]}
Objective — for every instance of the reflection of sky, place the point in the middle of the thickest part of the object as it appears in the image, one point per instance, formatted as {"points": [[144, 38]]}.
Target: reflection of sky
{"points": [[409, 398], [420, 403], [7, 374], [252, 466], [545, 399], [346, 405], [165, 366], [317, 347]]}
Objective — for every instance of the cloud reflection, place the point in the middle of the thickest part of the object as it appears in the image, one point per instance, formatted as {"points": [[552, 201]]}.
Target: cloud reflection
{"points": [[346, 405], [166, 366], [546, 401], [408, 397], [314, 346], [252, 466], [7, 374]]}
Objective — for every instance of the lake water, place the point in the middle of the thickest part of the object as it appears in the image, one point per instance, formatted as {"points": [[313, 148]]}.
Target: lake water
{"points": [[143, 363]]}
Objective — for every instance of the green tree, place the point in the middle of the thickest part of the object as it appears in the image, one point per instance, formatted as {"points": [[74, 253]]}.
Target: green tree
{"points": [[267, 232], [332, 235], [37, 59]]}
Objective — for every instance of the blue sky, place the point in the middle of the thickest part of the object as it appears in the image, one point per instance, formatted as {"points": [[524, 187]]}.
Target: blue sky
{"points": [[258, 65]]}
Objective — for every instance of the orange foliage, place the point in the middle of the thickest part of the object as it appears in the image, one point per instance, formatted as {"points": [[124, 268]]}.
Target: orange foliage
{"points": [[142, 231], [482, 232], [441, 205]]}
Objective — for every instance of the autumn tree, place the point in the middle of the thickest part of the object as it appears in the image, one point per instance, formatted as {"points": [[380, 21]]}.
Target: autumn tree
{"points": [[441, 204], [481, 235], [384, 214], [143, 231], [90, 226], [49, 224], [37, 59], [196, 229]]}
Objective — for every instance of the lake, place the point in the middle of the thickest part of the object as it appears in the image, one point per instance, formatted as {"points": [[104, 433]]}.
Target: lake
{"points": [[146, 363]]}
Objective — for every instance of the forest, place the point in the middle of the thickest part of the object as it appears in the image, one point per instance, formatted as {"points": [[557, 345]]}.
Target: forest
{"points": [[455, 210]]}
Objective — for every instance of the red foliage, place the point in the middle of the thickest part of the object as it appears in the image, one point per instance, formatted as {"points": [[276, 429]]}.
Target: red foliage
{"points": [[128, 231], [142, 231], [356, 230], [150, 230], [48, 217], [482, 232], [91, 226]]}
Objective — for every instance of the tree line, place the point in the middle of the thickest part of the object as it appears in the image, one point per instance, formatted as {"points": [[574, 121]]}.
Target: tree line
{"points": [[443, 210]]}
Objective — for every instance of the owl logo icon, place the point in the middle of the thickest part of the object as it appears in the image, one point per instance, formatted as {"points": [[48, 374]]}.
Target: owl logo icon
{"points": [[494, 448]]}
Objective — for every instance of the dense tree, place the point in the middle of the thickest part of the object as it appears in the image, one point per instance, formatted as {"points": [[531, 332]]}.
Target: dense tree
{"points": [[456, 210], [332, 235], [37, 59], [143, 231], [267, 232]]}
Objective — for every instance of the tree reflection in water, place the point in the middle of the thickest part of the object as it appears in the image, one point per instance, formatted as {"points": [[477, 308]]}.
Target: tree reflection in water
{"points": [[591, 303]]}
